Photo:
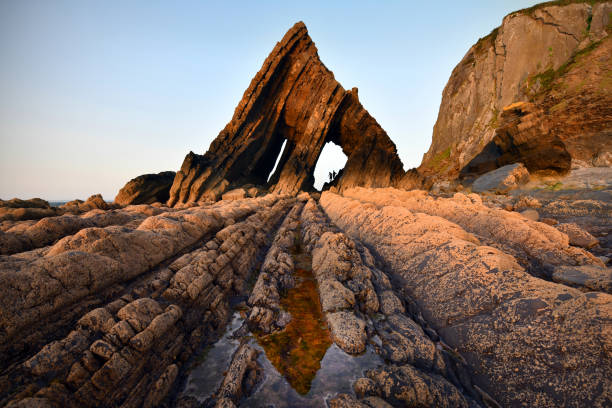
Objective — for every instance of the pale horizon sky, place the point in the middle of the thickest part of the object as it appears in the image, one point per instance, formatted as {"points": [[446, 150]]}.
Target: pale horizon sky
{"points": [[94, 93]]}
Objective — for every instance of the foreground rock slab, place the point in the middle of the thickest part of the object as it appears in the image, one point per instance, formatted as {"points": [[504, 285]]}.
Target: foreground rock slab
{"points": [[489, 309]]}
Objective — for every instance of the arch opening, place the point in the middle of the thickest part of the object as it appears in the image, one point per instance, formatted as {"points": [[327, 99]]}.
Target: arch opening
{"points": [[331, 162], [278, 159]]}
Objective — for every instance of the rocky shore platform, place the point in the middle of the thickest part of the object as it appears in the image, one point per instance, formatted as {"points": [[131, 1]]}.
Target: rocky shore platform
{"points": [[423, 299]]}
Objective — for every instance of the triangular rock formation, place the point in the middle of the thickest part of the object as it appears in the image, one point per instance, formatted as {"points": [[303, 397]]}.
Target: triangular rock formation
{"points": [[294, 97]]}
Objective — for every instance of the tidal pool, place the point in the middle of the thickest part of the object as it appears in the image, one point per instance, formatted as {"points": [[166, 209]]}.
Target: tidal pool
{"points": [[206, 378], [302, 367], [297, 350], [337, 373]]}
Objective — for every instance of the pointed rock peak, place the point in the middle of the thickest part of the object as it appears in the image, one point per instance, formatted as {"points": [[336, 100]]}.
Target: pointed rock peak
{"points": [[293, 101]]}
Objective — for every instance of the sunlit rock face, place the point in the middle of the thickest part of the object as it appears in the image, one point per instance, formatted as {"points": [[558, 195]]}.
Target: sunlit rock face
{"points": [[554, 56], [294, 97]]}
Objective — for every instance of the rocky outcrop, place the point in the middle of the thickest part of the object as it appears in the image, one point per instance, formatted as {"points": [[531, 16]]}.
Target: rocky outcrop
{"points": [[554, 55], [118, 312], [242, 375], [525, 137], [293, 98], [95, 202], [146, 189], [501, 180], [488, 308], [19, 210], [275, 277], [31, 235]]}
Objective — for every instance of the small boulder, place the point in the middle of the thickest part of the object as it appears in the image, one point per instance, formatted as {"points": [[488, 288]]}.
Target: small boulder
{"points": [[236, 194], [585, 276], [530, 214], [577, 236], [502, 180], [348, 331]]}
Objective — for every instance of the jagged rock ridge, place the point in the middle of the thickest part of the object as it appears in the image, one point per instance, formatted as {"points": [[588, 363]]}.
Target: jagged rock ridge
{"points": [[294, 97]]}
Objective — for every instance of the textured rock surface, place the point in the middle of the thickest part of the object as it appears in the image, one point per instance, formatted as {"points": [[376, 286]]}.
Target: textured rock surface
{"points": [[146, 189], [556, 56], [577, 236], [27, 235], [536, 245], [243, 373], [95, 202], [275, 277], [294, 97], [109, 316], [489, 309], [524, 136], [33, 209], [501, 180]]}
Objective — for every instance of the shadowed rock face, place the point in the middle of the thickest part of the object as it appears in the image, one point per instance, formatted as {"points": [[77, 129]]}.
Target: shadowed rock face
{"points": [[294, 97], [524, 136], [146, 189]]}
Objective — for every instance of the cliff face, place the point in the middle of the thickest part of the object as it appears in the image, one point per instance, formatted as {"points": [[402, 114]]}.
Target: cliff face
{"points": [[294, 97], [556, 56]]}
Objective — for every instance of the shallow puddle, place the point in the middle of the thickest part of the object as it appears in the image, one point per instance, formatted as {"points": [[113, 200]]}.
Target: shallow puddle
{"points": [[297, 351], [206, 378], [337, 373], [302, 367]]}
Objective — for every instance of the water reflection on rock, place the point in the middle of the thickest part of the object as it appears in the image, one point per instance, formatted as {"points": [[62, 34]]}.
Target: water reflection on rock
{"points": [[204, 380], [337, 373]]}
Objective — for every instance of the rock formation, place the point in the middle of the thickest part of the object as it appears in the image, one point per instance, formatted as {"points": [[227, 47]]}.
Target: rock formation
{"points": [[482, 302], [555, 56], [146, 189], [409, 298], [293, 98], [524, 136], [19, 210]]}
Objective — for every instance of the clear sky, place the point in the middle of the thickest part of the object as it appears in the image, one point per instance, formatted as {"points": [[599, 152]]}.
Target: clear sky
{"points": [[94, 93]]}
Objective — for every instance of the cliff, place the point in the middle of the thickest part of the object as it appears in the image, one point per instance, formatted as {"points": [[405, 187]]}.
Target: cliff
{"points": [[555, 56]]}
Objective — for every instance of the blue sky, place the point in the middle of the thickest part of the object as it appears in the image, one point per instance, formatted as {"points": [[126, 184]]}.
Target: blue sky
{"points": [[94, 93]]}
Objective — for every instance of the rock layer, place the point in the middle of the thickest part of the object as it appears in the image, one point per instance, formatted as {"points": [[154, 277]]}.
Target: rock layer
{"points": [[556, 55], [489, 309], [293, 98]]}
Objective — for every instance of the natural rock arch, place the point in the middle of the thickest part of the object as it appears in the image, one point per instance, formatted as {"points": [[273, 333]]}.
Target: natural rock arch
{"points": [[294, 97]]}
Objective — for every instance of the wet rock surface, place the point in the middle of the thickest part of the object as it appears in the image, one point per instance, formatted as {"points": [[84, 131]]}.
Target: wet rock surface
{"points": [[121, 333], [417, 299]]}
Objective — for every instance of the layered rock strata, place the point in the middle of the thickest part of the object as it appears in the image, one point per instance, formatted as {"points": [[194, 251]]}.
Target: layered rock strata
{"points": [[535, 245], [275, 278], [360, 303], [488, 308], [129, 350], [554, 55], [293, 98]]}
